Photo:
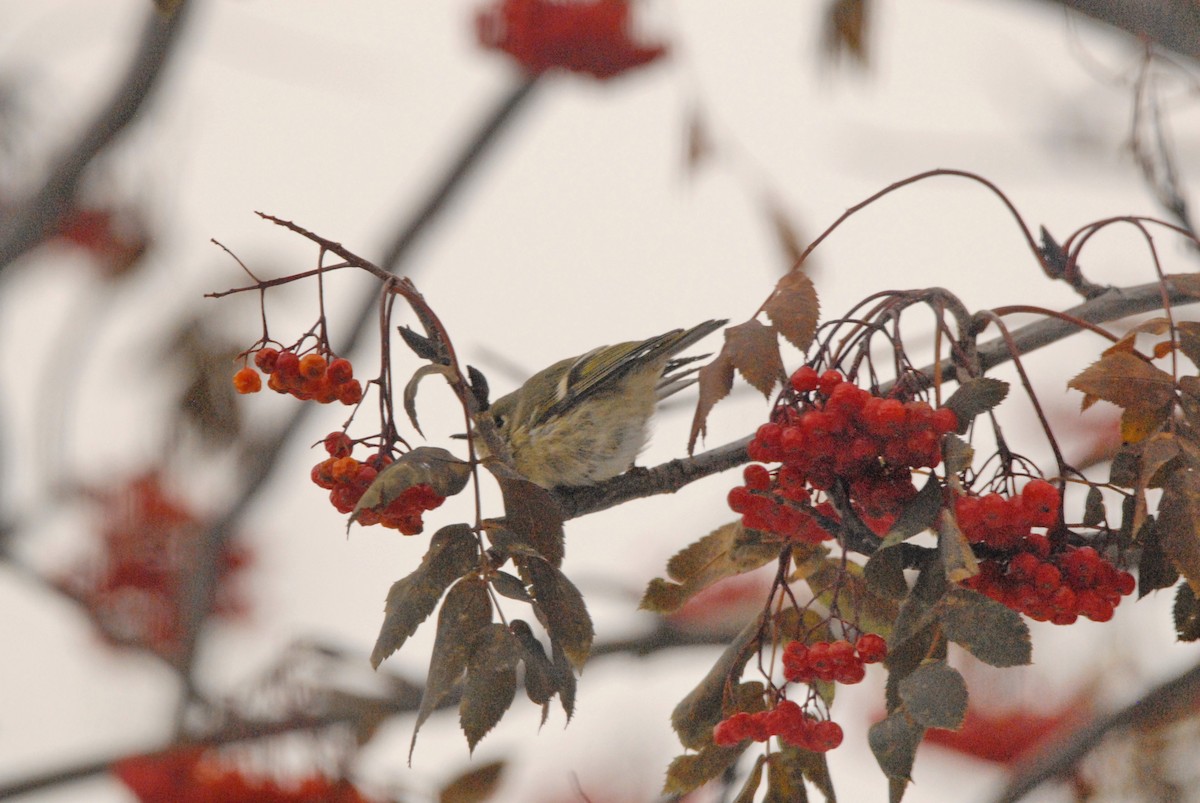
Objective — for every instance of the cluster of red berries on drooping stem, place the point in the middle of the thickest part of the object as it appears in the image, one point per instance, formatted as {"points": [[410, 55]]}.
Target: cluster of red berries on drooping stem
{"points": [[835, 431], [787, 720], [832, 661], [308, 378], [347, 479], [1043, 579]]}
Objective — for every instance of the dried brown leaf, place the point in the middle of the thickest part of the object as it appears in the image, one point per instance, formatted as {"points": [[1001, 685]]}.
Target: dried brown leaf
{"points": [[1125, 380], [714, 381], [794, 309], [754, 351]]}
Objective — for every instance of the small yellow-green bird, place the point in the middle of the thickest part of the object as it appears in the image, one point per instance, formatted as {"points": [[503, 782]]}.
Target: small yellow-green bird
{"points": [[584, 419]]}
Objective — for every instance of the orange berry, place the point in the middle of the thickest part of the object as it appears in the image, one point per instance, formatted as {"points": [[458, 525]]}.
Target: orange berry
{"points": [[312, 366], [340, 371], [247, 380], [350, 392]]}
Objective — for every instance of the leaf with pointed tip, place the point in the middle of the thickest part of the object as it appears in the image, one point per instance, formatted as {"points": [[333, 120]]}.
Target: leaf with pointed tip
{"points": [[533, 514], [453, 551], [794, 308], [754, 351], [567, 620], [894, 742], [474, 786], [422, 346], [491, 681], [992, 632], [540, 678], [425, 465], [565, 675], [884, 574], [466, 611], [785, 780], [726, 551], [696, 714], [510, 586], [713, 381], [1126, 380], [1179, 523], [957, 454], [954, 550], [935, 695], [918, 515], [689, 772], [750, 787], [1186, 613], [974, 397], [479, 387]]}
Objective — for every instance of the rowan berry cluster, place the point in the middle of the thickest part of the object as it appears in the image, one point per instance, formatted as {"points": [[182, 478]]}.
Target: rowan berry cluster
{"points": [[1055, 587], [787, 720], [832, 661], [1047, 582], [310, 377], [836, 431], [347, 479]]}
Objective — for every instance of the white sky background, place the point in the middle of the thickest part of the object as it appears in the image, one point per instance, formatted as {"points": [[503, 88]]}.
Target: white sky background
{"points": [[582, 228]]}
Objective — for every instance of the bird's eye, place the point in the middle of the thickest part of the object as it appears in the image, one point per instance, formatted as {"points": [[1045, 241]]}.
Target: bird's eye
{"points": [[499, 419]]}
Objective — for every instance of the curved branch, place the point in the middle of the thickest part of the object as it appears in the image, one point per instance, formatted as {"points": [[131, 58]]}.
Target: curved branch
{"points": [[671, 476], [32, 220]]}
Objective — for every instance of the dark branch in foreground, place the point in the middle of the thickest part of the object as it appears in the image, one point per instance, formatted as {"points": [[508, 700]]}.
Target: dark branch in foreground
{"points": [[33, 219], [669, 477], [1160, 705]]}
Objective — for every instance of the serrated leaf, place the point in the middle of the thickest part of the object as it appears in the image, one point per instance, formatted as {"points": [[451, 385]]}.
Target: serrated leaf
{"points": [[689, 772], [696, 714], [567, 620], [533, 513], [992, 632], [425, 465], [713, 383], [894, 742], [474, 786], [491, 681], [1186, 614], [754, 351], [466, 611], [541, 681], [794, 308], [974, 397], [1179, 524], [1125, 380], [453, 552], [726, 551], [1158, 459], [954, 550], [935, 695], [753, 781], [564, 676], [1093, 507]]}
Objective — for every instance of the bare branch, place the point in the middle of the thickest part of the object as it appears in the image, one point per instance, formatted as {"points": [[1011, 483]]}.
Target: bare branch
{"points": [[32, 220]]}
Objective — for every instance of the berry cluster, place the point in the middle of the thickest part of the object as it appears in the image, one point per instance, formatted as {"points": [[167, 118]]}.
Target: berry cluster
{"points": [[832, 661], [310, 377], [787, 720], [347, 479], [1046, 581], [835, 431], [1058, 587]]}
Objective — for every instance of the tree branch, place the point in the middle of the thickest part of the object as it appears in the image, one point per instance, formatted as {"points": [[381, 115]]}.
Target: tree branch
{"points": [[31, 221], [670, 477], [1164, 703]]}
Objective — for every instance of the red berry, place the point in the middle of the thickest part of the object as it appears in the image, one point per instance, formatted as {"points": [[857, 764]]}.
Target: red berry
{"points": [[828, 381], [350, 392], [826, 735], [944, 420], [265, 360], [247, 380], [756, 477], [287, 364], [1041, 501], [340, 371], [871, 648], [338, 444], [805, 379]]}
